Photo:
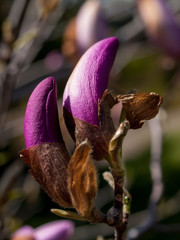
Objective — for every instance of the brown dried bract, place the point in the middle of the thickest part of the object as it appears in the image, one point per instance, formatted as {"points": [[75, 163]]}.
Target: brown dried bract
{"points": [[82, 181], [140, 107], [81, 130], [104, 113], [98, 136], [48, 163], [99, 144]]}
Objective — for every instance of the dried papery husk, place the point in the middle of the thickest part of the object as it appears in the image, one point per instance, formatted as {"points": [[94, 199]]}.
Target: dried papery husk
{"points": [[81, 130], [99, 144], [82, 180], [140, 107], [98, 136], [48, 163], [104, 113]]}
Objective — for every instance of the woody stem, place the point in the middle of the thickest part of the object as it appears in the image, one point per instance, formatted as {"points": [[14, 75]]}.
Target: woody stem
{"points": [[118, 173]]}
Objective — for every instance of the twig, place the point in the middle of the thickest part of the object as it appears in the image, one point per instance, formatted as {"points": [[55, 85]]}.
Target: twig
{"points": [[117, 170]]}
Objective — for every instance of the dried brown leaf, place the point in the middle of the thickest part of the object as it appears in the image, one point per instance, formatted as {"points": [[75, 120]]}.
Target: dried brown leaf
{"points": [[82, 181], [48, 163], [140, 107]]}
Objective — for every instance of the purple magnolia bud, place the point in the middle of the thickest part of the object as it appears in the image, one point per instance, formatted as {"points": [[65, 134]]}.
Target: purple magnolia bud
{"points": [[46, 153], [41, 123], [57, 230], [89, 80], [161, 25], [90, 25], [24, 233]]}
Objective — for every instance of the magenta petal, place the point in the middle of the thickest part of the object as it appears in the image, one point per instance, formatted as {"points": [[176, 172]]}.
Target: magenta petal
{"points": [[41, 118], [25, 231], [89, 80], [57, 230]]}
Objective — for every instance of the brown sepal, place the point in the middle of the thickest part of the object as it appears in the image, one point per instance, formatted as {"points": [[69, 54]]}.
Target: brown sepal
{"points": [[140, 107], [98, 136], [82, 181], [48, 163], [99, 144], [104, 113]]}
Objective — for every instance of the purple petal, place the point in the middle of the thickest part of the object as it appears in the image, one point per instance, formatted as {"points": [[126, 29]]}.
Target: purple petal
{"points": [[89, 80], [41, 118], [25, 231], [57, 230], [161, 25]]}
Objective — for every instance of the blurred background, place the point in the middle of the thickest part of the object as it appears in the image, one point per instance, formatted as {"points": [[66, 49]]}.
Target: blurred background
{"points": [[40, 38]]}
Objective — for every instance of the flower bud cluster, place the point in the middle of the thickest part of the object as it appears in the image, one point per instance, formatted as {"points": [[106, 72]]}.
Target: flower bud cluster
{"points": [[71, 181]]}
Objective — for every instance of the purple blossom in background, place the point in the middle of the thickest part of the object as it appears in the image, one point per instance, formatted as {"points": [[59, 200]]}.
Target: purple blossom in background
{"points": [[89, 80], [91, 25], [56, 230], [53, 60], [41, 122], [25, 232], [161, 25]]}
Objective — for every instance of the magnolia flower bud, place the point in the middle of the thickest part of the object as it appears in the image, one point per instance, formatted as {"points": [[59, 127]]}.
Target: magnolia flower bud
{"points": [[46, 153], [61, 230], [161, 25], [85, 89], [41, 117], [24, 233]]}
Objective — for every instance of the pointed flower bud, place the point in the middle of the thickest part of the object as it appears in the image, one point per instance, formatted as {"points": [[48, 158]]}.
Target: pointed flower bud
{"points": [[46, 153], [61, 230], [57, 230], [161, 25], [85, 89], [89, 80], [41, 118], [24, 233]]}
